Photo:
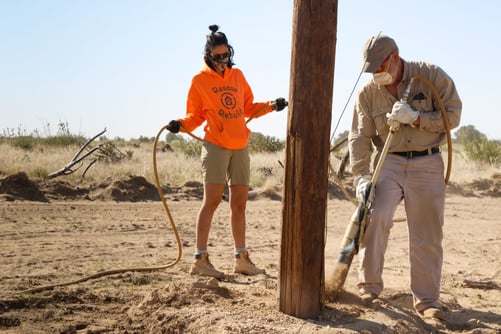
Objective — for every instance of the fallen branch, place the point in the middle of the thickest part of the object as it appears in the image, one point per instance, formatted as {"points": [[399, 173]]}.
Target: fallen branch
{"points": [[76, 160]]}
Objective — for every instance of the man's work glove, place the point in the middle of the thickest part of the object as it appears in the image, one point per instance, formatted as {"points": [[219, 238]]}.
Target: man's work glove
{"points": [[280, 104], [362, 185], [174, 126], [403, 113]]}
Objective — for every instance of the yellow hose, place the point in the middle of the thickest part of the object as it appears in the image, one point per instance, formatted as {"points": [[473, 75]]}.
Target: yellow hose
{"points": [[171, 220], [169, 215], [447, 127], [137, 269], [448, 133]]}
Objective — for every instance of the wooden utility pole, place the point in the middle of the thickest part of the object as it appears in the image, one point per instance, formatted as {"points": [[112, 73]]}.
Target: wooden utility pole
{"points": [[307, 157]]}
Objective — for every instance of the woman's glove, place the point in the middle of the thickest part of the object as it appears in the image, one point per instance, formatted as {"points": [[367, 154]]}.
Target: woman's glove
{"points": [[174, 126], [280, 104]]}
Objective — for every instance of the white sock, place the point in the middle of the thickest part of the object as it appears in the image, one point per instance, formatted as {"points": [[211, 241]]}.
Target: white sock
{"points": [[200, 251], [239, 250]]}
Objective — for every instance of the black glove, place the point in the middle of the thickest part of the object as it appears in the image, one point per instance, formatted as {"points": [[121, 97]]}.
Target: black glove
{"points": [[174, 126], [280, 104]]}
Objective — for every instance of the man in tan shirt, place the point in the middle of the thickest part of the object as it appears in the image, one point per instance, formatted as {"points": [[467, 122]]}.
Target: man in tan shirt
{"points": [[413, 170]]}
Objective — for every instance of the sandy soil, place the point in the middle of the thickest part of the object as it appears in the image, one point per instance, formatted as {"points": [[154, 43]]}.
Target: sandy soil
{"points": [[55, 232]]}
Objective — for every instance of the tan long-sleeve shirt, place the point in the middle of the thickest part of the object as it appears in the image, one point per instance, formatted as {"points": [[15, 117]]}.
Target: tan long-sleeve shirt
{"points": [[369, 124]]}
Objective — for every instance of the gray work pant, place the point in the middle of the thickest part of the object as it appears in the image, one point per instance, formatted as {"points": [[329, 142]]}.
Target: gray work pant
{"points": [[419, 181]]}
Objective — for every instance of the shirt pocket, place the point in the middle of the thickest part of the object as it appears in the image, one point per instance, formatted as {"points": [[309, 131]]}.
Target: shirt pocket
{"points": [[422, 101]]}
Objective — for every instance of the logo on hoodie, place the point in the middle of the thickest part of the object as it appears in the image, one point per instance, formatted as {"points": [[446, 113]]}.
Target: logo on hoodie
{"points": [[228, 100]]}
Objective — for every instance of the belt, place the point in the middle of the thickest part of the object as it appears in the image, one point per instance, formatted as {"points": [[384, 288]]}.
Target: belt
{"points": [[413, 154]]}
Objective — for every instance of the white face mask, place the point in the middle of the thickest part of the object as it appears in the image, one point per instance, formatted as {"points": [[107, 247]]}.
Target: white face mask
{"points": [[383, 78], [386, 77]]}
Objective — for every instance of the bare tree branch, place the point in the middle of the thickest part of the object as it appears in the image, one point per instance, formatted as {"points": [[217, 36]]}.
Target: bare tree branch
{"points": [[69, 168]]}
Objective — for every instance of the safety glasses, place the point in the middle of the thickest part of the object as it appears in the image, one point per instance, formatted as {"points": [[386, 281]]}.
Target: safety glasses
{"points": [[220, 57]]}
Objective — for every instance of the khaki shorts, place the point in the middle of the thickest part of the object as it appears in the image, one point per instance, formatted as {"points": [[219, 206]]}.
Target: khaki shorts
{"points": [[221, 165]]}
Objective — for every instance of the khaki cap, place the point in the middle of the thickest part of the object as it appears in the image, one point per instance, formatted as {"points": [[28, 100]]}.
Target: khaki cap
{"points": [[376, 49]]}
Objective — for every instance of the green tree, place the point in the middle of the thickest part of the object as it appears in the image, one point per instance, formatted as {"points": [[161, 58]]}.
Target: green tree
{"points": [[477, 146], [488, 151], [468, 133]]}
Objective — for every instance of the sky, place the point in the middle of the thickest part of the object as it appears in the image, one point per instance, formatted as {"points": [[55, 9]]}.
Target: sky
{"points": [[126, 65]]}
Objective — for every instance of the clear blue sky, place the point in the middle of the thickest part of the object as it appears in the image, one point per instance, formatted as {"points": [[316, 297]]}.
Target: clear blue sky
{"points": [[127, 65]]}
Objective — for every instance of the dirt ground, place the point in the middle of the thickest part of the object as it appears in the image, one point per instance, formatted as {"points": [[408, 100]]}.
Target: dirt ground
{"points": [[55, 232]]}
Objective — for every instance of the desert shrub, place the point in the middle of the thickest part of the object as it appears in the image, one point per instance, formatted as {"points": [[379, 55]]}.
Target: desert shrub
{"points": [[477, 147], [64, 140], [23, 142], [63, 137], [190, 148], [257, 143], [29, 142], [266, 169], [144, 139], [484, 150], [172, 137], [261, 143]]}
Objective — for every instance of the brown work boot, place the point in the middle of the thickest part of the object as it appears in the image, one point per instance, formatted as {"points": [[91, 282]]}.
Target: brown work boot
{"points": [[368, 297], [433, 316], [202, 266], [243, 265]]}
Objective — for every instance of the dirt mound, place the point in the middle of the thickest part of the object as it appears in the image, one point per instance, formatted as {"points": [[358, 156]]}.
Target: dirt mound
{"points": [[131, 189], [61, 190], [481, 187], [19, 186], [137, 189]]}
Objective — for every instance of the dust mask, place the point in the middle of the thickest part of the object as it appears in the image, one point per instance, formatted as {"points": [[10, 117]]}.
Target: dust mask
{"points": [[383, 78]]}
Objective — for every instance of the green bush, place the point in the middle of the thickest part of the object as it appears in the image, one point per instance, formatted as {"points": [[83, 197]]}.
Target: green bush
{"points": [[64, 140], [261, 143], [24, 142], [257, 143], [477, 146], [484, 150], [190, 148]]}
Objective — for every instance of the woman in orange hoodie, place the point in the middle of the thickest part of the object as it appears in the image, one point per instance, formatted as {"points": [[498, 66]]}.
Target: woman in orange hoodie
{"points": [[220, 96]]}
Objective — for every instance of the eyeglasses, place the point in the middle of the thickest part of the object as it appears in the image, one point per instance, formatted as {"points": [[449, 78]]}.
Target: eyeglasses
{"points": [[220, 57]]}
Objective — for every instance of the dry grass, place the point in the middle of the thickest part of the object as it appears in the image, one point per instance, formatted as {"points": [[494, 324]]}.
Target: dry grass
{"points": [[465, 171], [175, 168]]}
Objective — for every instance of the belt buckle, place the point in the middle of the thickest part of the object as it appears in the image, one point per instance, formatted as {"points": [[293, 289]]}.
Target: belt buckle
{"points": [[410, 154]]}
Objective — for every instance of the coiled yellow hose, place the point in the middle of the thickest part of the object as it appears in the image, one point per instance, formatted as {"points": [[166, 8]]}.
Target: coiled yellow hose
{"points": [[445, 119]]}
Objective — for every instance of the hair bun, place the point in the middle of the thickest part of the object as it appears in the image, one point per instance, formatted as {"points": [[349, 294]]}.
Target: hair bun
{"points": [[214, 28]]}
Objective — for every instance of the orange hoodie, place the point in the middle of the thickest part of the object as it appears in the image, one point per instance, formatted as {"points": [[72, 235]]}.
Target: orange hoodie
{"points": [[224, 102]]}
